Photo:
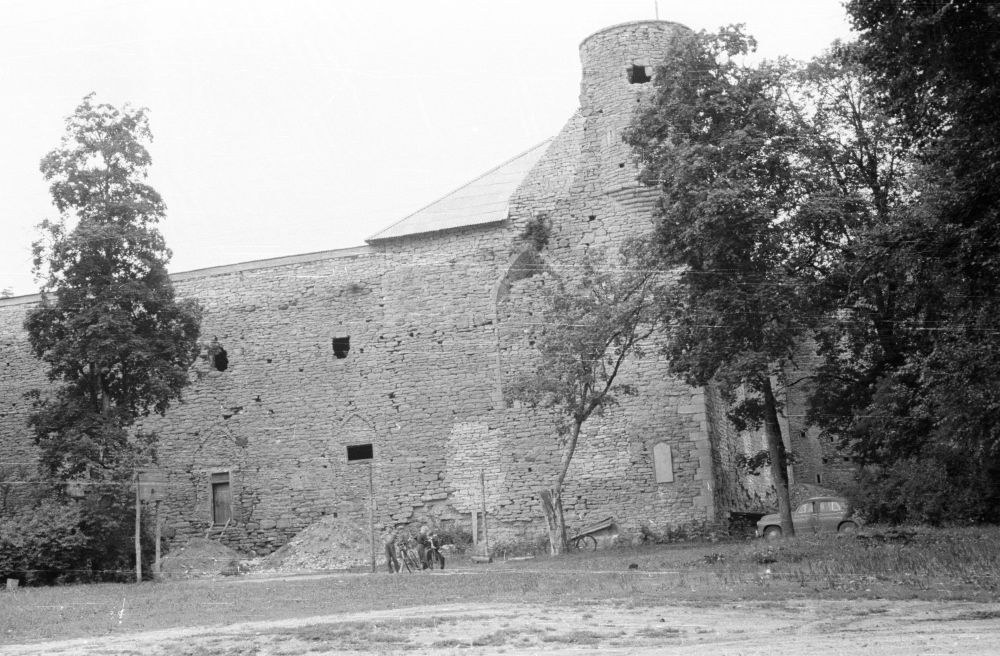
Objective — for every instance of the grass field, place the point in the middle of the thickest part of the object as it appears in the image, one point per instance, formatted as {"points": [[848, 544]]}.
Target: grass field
{"points": [[935, 565]]}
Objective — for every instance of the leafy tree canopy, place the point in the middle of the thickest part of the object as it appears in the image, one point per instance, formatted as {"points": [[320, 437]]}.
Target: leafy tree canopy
{"points": [[934, 65], [778, 184], [715, 143], [851, 200], [109, 327]]}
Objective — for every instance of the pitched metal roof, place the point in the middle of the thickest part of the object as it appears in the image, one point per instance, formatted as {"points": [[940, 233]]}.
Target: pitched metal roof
{"points": [[484, 200]]}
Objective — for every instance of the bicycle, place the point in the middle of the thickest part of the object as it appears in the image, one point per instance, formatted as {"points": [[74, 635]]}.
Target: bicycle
{"points": [[583, 542], [407, 556]]}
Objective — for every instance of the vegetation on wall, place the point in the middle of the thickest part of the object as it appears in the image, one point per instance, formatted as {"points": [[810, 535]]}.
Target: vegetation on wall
{"points": [[537, 232]]}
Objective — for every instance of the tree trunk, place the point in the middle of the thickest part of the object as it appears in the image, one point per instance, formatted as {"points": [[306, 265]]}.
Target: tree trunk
{"points": [[776, 452], [552, 498], [554, 520]]}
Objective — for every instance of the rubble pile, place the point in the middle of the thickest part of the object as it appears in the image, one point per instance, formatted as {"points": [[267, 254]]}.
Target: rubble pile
{"points": [[330, 543]]}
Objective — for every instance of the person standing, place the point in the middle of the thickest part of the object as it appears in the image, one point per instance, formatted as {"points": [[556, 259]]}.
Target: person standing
{"points": [[424, 546], [389, 540]]}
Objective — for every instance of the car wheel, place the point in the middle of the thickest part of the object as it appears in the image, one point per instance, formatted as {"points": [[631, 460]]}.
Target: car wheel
{"points": [[772, 533], [847, 527]]}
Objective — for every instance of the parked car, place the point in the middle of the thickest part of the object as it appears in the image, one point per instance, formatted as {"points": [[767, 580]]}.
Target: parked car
{"points": [[815, 515]]}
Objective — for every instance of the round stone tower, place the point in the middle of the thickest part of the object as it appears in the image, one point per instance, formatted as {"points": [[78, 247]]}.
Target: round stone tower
{"points": [[586, 187], [618, 63], [618, 70], [587, 182]]}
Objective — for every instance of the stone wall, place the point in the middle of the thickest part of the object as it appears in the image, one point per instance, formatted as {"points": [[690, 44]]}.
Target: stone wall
{"points": [[434, 323], [19, 372], [819, 459], [737, 491]]}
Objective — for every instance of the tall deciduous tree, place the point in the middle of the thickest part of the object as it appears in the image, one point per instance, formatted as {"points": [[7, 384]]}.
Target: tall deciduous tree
{"points": [[715, 143], [858, 189], [593, 323], [935, 64], [109, 328]]}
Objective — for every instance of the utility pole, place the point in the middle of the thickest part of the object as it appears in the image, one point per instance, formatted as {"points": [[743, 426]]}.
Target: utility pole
{"points": [[371, 511], [138, 531]]}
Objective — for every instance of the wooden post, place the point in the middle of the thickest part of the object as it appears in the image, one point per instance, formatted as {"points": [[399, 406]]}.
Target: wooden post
{"points": [[138, 532], [486, 530], [156, 519], [371, 511], [482, 554]]}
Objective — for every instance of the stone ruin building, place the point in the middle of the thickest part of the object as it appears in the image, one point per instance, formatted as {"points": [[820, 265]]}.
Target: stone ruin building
{"points": [[384, 364]]}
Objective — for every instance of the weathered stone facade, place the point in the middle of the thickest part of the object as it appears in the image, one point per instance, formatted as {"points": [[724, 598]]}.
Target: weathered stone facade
{"points": [[432, 318]]}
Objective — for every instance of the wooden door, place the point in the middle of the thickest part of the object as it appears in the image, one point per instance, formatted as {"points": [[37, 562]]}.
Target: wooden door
{"points": [[222, 502]]}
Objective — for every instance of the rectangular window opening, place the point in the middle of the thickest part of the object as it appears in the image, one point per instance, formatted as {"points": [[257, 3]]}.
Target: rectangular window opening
{"points": [[359, 452]]}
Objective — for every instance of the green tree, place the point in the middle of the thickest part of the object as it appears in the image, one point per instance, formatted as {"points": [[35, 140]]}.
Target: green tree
{"points": [[872, 171], [715, 142], [935, 65], [593, 324], [783, 187], [854, 175], [114, 338]]}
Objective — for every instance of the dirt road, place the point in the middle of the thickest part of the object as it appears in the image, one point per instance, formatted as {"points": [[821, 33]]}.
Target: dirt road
{"points": [[744, 628]]}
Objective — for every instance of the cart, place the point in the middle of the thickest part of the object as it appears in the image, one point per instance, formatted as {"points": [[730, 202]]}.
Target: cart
{"points": [[584, 538]]}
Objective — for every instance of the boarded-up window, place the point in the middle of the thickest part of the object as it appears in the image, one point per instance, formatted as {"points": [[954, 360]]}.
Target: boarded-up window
{"points": [[222, 499], [663, 463]]}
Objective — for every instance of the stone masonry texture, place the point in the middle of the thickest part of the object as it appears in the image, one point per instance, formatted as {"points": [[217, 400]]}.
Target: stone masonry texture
{"points": [[435, 322]]}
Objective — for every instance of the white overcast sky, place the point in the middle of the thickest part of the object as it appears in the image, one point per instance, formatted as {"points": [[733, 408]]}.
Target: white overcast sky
{"points": [[299, 126]]}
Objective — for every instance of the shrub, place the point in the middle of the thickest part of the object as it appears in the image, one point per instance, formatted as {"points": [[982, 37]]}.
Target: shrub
{"points": [[692, 531], [461, 538], [42, 544], [59, 540], [927, 490], [526, 546]]}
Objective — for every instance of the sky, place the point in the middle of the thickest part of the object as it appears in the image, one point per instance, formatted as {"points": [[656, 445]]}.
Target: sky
{"points": [[299, 126]]}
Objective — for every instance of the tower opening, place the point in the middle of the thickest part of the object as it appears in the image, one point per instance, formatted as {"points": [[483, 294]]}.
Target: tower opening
{"points": [[341, 346], [638, 74], [220, 359]]}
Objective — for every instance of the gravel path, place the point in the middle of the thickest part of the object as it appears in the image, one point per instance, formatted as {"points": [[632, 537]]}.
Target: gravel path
{"points": [[750, 628]]}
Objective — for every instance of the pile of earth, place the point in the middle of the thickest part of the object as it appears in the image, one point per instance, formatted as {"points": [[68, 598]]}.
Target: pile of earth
{"points": [[330, 543], [198, 558]]}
